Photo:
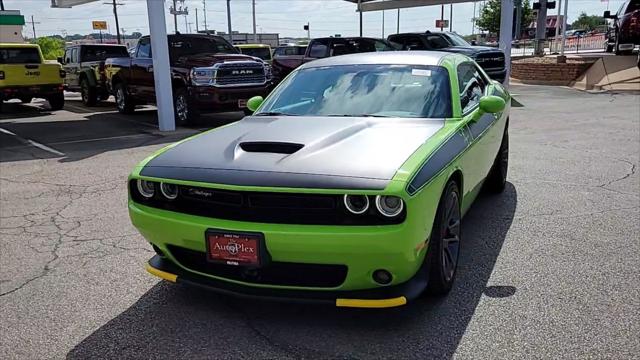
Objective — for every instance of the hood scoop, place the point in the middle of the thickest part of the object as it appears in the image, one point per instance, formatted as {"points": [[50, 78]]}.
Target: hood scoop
{"points": [[270, 147]]}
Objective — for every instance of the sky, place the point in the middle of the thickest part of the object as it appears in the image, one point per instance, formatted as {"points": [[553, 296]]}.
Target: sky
{"points": [[286, 17]]}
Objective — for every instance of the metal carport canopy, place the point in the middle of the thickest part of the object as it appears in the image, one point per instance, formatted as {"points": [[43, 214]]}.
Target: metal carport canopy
{"points": [[160, 51], [506, 22]]}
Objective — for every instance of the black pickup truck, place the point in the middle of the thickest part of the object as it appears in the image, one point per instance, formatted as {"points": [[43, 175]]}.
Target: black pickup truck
{"points": [[84, 65], [207, 75], [491, 60]]}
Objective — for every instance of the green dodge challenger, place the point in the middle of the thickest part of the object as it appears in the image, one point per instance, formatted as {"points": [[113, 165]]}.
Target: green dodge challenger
{"points": [[347, 185]]}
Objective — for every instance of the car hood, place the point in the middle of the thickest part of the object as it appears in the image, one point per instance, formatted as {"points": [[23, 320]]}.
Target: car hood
{"points": [[295, 151], [205, 60], [472, 50]]}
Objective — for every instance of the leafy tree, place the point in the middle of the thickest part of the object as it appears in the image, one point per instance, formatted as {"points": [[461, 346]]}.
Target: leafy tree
{"points": [[587, 22], [52, 47], [489, 19]]}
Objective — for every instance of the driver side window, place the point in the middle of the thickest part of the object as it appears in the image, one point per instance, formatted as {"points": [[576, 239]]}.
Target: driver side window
{"points": [[471, 85]]}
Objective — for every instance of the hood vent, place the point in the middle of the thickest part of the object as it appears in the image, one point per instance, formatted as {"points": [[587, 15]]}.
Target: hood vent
{"points": [[270, 147]]}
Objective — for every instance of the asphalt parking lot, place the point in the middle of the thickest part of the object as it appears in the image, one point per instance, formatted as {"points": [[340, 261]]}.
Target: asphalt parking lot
{"points": [[549, 268]]}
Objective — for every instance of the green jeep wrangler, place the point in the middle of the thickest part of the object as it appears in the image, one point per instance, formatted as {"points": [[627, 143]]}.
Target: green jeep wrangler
{"points": [[84, 65]]}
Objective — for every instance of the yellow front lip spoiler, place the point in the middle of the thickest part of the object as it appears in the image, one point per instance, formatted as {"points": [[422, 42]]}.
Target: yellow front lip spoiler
{"points": [[372, 303], [353, 303], [161, 274]]}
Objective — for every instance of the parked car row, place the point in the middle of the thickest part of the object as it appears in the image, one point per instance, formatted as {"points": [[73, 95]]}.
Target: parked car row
{"points": [[492, 60]]}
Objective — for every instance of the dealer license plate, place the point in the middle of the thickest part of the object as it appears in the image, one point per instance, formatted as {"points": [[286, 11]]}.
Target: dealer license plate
{"points": [[234, 248]]}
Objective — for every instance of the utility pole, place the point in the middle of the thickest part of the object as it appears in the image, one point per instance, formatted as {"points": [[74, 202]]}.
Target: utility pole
{"points": [[115, 13], [204, 6], [451, 17], [1, 5], [308, 31], [559, 22], [441, 17], [175, 17], [33, 26], [518, 27], [561, 58], [473, 20], [398, 26], [383, 24], [229, 21], [541, 28], [360, 12], [255, 34], [186, 24], [197, 30]]}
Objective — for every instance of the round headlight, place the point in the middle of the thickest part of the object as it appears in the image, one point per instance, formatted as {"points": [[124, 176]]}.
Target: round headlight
{"points": [[146, 188], [389, 206], [356, 204], [170, 191]]}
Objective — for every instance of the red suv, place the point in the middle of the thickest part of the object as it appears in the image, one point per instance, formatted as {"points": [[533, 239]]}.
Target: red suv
{"points": [[624, 35]]}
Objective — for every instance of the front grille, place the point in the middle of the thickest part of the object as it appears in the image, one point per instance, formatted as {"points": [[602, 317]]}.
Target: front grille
{"points": [[240, 73], [491, 60], [275, 273], [264, 207]]}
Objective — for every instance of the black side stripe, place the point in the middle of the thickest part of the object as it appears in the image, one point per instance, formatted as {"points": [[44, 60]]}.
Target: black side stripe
{"points": [[439, 160], [479, 127]]}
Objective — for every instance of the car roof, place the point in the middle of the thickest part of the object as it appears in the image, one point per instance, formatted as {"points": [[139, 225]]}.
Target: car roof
{"points": [[423, 33], [348, 38], [111, 45], [382, 58]]}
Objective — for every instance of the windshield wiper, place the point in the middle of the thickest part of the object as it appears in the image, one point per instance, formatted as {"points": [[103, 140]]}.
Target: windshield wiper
{"points": [[273, 113]]}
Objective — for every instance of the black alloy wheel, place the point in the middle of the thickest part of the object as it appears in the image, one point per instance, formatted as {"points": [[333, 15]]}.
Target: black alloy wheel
{"points": [[88, 93], [444, 244]]}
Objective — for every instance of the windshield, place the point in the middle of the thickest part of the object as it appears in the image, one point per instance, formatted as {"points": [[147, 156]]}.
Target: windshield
{"points": [[290, 50], [263, 53], [192, 46], [456, 39], [19, 55], [99, 53], [364, 90]]}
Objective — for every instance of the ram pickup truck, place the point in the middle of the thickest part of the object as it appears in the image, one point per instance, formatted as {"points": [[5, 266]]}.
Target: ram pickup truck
{"points": [[326, 47], [491, 60], [84, 65], [24, 75], [624, 34], [207, 74]]}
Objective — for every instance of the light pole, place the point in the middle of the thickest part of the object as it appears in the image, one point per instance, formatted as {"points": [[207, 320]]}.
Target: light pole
{"points": [[229, 20], [255, 34]]}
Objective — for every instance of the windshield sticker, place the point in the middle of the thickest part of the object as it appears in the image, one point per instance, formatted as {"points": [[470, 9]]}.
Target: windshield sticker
{"points": [[420, 72]]}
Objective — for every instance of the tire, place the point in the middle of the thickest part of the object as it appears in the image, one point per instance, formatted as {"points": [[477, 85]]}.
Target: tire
{"points": [[26, 99], [123, 101], [88, 92], [617, 47], [497, 178], [185, 112], [56, 101], [444, 243], [608, 47]]}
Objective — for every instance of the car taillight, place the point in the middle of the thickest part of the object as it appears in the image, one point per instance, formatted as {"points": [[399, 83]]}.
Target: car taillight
{"points": [[63, 73], [1, 75]]}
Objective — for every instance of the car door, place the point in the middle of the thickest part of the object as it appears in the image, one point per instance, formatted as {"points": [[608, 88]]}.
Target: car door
{"points": [[142, 83], [482, 134], [72, 67]]}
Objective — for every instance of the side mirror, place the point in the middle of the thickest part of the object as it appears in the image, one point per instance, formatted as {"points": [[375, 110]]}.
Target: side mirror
{"points": [[61, 60], [254, 103], [492, 104], [607, 14], [474, 43]]}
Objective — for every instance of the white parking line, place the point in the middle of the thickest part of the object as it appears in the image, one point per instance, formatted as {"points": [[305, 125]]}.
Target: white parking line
{"points": [[32, 143]]}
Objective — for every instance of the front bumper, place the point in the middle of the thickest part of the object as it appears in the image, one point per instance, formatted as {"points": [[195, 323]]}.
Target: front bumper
{"points": [[384, 297], [220, 99]]}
